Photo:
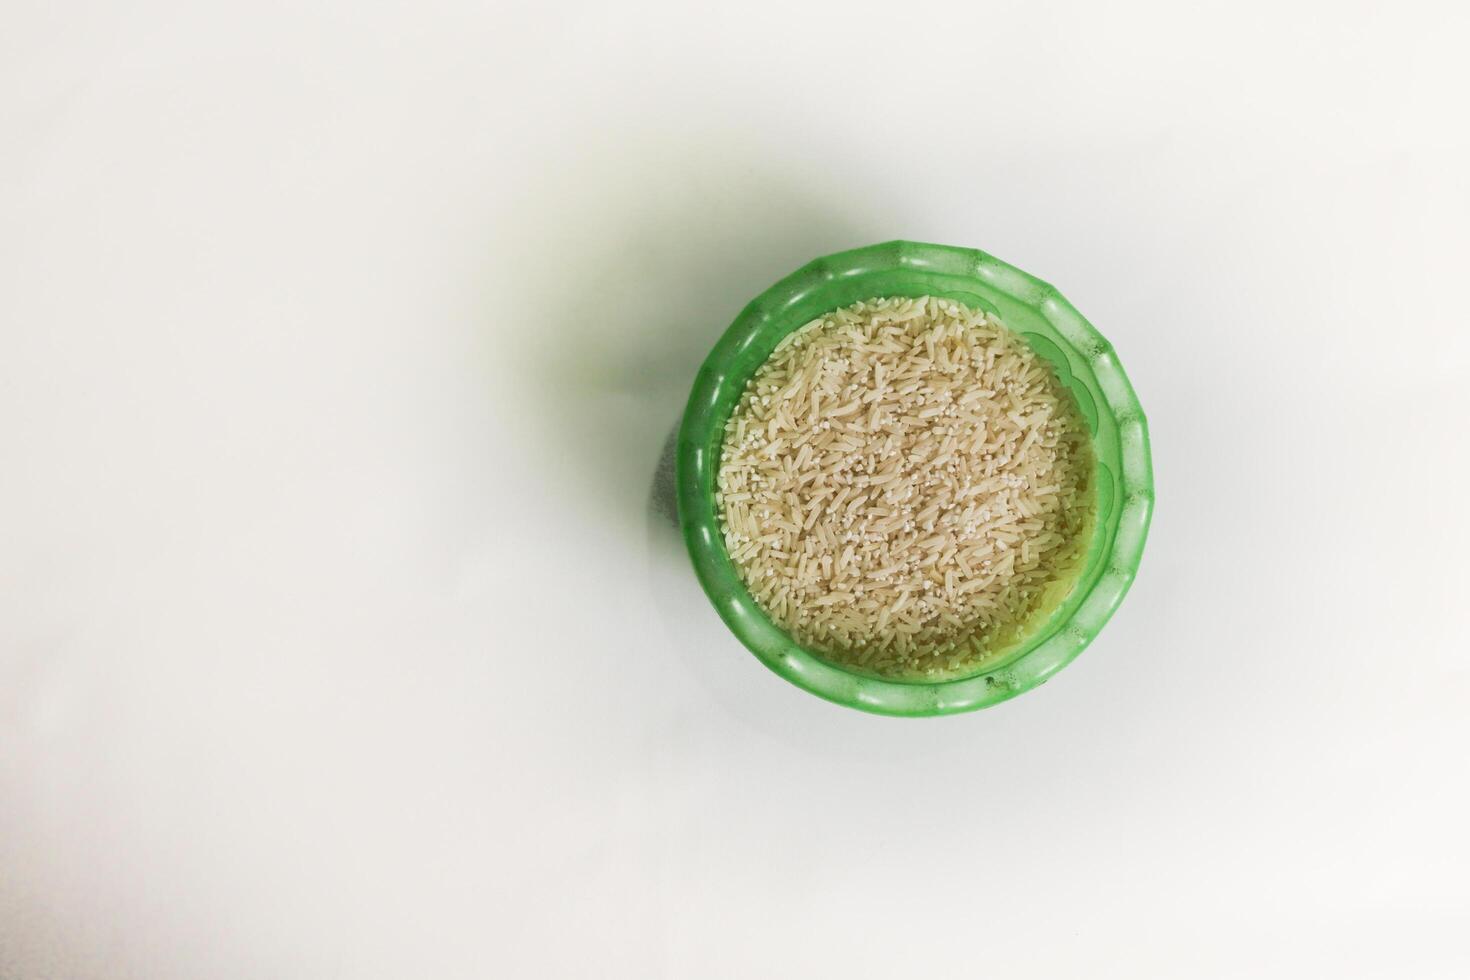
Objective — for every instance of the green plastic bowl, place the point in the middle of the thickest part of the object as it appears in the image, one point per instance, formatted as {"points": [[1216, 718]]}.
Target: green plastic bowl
{"points": [[1083, 360]]}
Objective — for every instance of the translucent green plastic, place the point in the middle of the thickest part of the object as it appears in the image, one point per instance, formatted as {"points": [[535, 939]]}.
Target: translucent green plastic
{"points": [[1084, 362]]}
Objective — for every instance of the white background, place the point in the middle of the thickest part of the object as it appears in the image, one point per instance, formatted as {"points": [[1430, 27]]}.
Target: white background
{"points": [[341, 636]]}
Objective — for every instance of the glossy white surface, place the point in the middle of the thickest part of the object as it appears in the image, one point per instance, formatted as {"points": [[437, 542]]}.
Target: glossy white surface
{"points": [[339, 634]]}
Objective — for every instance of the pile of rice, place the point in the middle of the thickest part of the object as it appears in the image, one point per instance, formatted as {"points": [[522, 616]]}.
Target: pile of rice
{"points": [[904, 486]]}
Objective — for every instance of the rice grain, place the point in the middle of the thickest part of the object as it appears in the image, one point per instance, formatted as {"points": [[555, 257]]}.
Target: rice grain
{"points": [[905, 486]]}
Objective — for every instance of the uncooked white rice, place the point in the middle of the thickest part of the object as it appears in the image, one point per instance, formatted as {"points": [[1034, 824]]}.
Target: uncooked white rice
{"points": [[904, 486]]}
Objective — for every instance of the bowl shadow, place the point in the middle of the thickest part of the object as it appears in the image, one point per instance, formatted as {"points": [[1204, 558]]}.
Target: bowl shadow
{"points": [[646, 251]]}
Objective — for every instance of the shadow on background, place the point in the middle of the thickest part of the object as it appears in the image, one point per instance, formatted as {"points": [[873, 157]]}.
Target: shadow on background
{"points": [[651, 245], [663, 503]]}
